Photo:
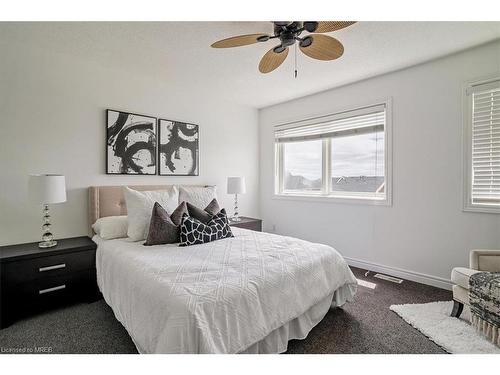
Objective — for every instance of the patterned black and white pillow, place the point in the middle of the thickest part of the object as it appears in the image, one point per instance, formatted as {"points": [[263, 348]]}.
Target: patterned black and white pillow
{"points": [[195, 232]]}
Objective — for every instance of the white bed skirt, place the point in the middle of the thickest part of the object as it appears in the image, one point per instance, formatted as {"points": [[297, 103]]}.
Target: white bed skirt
{"points": [[299, 328]]}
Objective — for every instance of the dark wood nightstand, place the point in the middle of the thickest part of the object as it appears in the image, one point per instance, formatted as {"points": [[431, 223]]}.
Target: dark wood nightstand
{"points": [[34, 279], [247, 223]]}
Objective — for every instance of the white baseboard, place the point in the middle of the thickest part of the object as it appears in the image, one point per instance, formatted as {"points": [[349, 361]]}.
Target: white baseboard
{"points": [[418, 277]]}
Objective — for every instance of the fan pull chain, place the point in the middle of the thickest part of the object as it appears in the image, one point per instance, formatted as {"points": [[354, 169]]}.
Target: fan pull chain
{"points": [[295, 45]]}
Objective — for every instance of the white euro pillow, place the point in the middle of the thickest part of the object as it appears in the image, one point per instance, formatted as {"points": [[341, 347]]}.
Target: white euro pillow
{"points": [[111, 227], [199, 196], [140, 205]]}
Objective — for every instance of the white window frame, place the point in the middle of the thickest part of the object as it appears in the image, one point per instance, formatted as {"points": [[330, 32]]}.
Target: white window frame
{"points": [[337, 197], [468, 205]]}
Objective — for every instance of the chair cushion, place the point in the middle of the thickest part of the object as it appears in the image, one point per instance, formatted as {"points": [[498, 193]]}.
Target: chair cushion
{"points": [[460, 276]]}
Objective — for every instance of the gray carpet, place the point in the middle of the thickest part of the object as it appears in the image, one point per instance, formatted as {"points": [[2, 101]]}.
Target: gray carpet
{"points": [[363, 326], [368, 326]]}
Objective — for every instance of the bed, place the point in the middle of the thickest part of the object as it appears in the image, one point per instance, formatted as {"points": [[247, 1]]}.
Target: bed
{"points": [[248, 294]]}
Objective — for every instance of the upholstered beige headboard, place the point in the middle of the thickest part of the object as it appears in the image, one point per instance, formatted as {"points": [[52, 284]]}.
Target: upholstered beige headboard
{"points": [[109, 201]]}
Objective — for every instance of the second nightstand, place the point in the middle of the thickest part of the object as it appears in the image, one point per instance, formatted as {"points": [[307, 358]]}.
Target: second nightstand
{"points": [[247, 223]]}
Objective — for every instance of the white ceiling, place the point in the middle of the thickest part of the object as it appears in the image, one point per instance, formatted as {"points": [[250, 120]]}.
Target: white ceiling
{"points": [[180, 52]]}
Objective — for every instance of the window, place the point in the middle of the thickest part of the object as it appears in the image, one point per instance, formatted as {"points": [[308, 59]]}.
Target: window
{"points": [[482, 146], [357, 163], [302, 165], [337, 156]]}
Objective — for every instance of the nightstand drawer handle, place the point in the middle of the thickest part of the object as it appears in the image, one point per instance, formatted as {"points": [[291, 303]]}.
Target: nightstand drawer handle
{"points": [[48, 290], [55, 267]]}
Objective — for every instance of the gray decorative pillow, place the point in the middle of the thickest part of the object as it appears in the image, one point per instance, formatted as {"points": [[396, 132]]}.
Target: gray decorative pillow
{"points": [[162, 227], [213, 207], [176, 216], [204, 215]]}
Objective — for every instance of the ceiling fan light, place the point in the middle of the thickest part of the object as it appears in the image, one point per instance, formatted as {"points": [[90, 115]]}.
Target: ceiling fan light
{"points": [[306, 42], [310, 26], [279, 49]]}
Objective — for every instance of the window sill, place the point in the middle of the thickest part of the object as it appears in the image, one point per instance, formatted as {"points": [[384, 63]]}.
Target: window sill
{"points": [[482, 209], [334, 199]]}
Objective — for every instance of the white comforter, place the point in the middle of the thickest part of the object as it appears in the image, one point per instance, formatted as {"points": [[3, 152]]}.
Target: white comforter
{"points": [[220, 297]]}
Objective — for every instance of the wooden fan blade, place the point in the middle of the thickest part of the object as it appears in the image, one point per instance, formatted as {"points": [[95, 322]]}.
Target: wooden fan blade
{"points": [[328, 26], [323, 47], [237, 41], [272, 60]]}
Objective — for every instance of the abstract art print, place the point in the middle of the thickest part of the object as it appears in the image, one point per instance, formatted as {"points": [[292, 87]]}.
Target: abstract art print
{"points": [[178, 148], [131, 143]]}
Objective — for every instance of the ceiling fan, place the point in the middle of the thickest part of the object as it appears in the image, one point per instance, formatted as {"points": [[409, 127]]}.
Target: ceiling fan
{"points": [[315, 45]]}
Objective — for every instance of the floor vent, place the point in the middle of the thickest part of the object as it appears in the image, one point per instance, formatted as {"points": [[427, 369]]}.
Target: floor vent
{"points": [[388, 278], [366, 284]]}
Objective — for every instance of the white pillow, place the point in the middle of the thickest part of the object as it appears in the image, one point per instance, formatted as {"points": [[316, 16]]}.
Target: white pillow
{"points": [[140, 205], [199, 196], [111, 227]]}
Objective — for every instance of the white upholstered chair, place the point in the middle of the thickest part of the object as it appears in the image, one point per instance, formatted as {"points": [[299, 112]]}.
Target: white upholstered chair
{"points": [[479, 261]]}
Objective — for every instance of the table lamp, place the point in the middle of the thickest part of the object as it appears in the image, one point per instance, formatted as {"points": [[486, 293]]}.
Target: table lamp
{"points": [[236, 185], [47, 189]]}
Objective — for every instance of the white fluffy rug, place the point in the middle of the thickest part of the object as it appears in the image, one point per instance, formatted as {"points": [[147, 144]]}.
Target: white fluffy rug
{"points": [[452, 334]]}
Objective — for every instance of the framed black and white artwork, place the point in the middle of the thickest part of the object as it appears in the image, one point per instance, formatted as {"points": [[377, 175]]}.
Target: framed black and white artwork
{"points": [[130, 143], [178, 148]]}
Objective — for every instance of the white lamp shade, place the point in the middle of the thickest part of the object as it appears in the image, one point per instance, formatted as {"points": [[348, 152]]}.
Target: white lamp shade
{"points": [[47, 188], [236, 185]]}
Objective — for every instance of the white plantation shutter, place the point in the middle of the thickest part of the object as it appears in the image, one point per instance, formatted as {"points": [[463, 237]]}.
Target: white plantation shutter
{"points": [[358, 121], [486, 143]]}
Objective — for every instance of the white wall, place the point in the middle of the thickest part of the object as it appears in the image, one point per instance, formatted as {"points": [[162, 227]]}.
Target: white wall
{"points": [[425, 231], [52, 119]]}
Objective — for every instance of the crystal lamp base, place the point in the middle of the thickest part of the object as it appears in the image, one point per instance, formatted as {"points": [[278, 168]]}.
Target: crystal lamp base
{"points": [[47, 237], [46, 244], [236, 216]]}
